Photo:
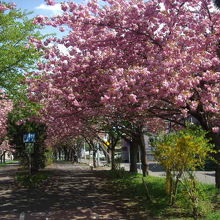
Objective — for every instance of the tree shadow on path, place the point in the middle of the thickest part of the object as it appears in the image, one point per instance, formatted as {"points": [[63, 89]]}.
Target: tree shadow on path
{"points": [[73, 192]]}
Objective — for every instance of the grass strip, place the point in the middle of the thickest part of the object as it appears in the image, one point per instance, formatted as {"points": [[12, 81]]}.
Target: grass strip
{"points": [[134, 186]]}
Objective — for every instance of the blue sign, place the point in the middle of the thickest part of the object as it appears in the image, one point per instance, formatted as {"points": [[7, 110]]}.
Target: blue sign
{"points": [[29, 138]]}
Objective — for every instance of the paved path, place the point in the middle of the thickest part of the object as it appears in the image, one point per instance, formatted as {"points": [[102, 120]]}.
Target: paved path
{"points": [[75, 192], [155, 170]]}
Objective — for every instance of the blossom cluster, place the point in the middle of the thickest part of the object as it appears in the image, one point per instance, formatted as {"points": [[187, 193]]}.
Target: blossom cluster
{"points": [[137, 59], [5, 107], [4, 7]]}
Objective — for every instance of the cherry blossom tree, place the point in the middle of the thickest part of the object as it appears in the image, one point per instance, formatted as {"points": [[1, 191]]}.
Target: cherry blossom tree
{"points": [[140, 60], [5, 107]]}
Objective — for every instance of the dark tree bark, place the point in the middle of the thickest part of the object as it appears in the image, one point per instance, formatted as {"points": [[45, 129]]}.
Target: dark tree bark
{"points": [[55, 154], [133, 156], [66, 155], [217, 171], [94, 157], [139, 138], [113, 167], [215, 138], [144, 165], [3, 157], [71, 154], [59, 154], [113, 138]]}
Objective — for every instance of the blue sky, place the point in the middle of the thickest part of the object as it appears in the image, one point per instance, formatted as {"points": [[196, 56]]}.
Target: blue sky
{"points": [[39, 7]]}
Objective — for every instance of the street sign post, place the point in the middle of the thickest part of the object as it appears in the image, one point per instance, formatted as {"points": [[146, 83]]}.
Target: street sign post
{"points": [[29, 148], [29, 140]]}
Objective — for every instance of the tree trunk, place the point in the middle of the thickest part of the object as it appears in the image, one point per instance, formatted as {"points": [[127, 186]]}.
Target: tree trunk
{"points": [[65, 154], [215, 138], [144, 165], [108, 159], [59, 155], [216, 142], [3, 157], [133, 156], [68, 155], [55, 154], [72, 155], [113, 158], [94, 157], [217, 172], [107, 156], [33, 164]]}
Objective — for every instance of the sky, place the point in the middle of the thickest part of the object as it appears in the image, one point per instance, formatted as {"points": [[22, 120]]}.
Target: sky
{"points": [[39, 7]]}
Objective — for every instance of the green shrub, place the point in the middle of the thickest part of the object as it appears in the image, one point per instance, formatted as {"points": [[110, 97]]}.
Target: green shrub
{"points": [[194, 198], [181, 153]]}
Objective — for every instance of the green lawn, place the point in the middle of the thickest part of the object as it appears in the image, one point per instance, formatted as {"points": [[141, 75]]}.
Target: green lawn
{"points": [[8, 162], [132, 185]]}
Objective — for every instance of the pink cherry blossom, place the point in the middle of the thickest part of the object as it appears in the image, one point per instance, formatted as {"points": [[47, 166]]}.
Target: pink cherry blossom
{"points": [[133, 98], [5, 107], [62, 29], [215, 129], [3, 7], [50, 2], [138, 60]]}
